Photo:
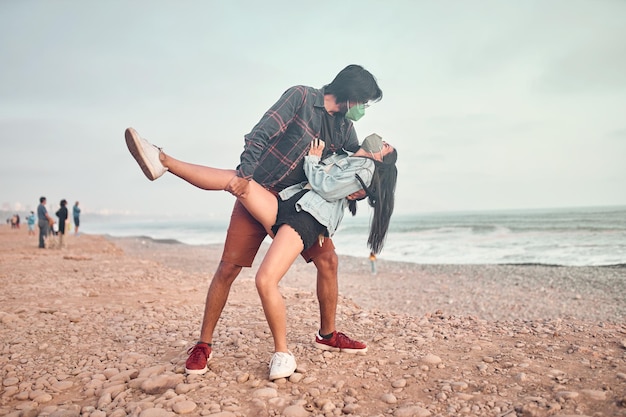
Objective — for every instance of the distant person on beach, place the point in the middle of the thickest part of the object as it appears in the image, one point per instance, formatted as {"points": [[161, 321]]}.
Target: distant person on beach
{"points": [[62, 215], [44, 221], [15, 221], [274, 156], [373, 262], [302, 216], [30, 221], [76, 215]]}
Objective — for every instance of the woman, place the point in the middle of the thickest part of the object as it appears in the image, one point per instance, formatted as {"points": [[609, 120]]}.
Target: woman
{"points": [[301, 215]]}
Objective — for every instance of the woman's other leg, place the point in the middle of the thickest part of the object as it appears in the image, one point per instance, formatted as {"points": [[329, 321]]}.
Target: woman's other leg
{"points": [[285, 248]]}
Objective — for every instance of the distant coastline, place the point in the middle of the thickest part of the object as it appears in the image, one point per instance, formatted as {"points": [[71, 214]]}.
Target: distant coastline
{"points": [[592, 236]]}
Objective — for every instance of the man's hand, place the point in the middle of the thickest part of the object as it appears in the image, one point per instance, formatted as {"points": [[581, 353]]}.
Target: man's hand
{"points": [[238, 186], [317, 146], [359, 195]]}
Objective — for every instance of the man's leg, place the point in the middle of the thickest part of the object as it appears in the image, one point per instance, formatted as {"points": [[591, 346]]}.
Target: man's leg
{"points": [[216, 298], [326, 262], [42, 234], [327, 290], [243, 240]]}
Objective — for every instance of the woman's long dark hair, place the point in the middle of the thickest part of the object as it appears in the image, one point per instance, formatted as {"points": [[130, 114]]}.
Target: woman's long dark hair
{"points": [[381, 196]]}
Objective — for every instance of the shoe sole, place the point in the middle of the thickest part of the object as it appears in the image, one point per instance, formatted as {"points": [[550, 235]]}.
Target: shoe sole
{"points": [[200, 371], [344, 350], [197, 371], [134, 146]]}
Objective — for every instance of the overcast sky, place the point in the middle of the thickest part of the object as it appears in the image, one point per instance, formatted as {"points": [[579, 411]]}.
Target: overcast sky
{"points": [[491, 104]]}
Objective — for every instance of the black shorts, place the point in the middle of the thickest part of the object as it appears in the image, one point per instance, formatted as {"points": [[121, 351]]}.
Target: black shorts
{"points": [[302, 222], [76, 221]]}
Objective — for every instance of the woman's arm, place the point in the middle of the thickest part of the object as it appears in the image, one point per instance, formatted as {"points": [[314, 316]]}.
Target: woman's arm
{"points": [[340, 180], [337, 181]]}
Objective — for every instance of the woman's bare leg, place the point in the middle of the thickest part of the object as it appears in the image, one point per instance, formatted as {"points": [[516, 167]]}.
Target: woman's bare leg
{"points": [[259, 202], [284, 250], [204, 177]]}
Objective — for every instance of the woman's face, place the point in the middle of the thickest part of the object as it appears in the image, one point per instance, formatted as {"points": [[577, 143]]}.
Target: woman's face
{"points": [[384, 151], [387, 149]]}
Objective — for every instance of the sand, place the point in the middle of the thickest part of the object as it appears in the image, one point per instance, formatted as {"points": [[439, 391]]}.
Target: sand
{"points": [[101, 328]]}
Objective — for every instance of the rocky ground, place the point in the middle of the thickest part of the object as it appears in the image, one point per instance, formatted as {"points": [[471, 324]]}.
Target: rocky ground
{"points": [[101, 328]]}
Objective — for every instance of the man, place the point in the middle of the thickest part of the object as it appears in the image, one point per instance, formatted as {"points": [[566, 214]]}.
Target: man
{"points": [[274, 156], [44, 222]]}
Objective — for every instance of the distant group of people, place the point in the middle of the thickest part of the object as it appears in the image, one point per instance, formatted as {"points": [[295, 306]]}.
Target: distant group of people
{"points": [[46, 223]]}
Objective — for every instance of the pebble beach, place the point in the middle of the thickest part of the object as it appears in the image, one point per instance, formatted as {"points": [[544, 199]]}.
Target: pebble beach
{"points": [[102, 326]]}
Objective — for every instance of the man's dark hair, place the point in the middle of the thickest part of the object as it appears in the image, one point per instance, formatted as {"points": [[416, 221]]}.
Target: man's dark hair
{"points": [[42, 199], [354, 83]]}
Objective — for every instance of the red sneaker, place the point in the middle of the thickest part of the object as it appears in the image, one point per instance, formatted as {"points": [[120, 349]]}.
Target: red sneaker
{"points": [[340, 343], [199, 355]]}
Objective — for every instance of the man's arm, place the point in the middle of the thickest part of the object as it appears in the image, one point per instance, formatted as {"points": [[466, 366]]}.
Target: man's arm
{"points": [[273, 124]]}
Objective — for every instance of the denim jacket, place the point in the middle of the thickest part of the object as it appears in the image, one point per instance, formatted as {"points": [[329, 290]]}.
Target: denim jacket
{"points": [[332, 180]]}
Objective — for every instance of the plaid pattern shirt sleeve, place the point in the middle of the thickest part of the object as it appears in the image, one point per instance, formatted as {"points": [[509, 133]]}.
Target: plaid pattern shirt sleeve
{"points": [[281, 139]]}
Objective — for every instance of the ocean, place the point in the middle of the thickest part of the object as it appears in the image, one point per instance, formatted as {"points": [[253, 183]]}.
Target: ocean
{"points": [[594, 236]]}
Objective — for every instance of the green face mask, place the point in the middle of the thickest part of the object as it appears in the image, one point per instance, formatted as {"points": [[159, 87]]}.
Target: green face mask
{"points": [[355, 112]]}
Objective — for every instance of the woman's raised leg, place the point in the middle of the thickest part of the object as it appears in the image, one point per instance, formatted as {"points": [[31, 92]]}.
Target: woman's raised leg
{"points": [[261, 204], [204, 177]]}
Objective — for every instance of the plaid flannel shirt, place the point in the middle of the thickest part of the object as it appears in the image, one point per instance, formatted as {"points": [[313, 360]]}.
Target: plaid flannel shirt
{"points": [[281, 139]]}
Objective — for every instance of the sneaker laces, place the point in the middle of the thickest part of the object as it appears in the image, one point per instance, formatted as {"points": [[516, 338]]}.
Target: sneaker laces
{"points": [[199, 350], [343, 340], [279, 358]]}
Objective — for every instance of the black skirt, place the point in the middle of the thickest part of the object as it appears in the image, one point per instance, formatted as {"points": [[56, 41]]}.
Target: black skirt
{"points": [[301, 221]]}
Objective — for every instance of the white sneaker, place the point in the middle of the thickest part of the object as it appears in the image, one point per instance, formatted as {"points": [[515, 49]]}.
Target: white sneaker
{"points": [[145, 153], [282, 365]]}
